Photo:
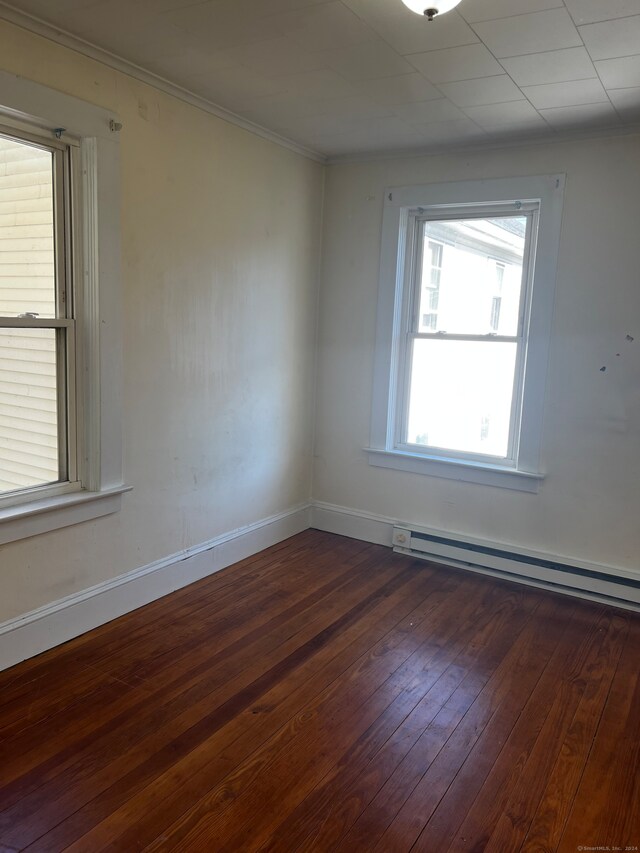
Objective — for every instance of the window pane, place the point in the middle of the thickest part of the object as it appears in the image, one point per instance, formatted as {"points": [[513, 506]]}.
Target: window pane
{"points": [[460, 395], [27, 272], [472, 276], [28, 408]]}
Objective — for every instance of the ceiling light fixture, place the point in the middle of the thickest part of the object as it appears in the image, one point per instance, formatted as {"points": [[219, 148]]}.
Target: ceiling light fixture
{"points": [[431, 8]]}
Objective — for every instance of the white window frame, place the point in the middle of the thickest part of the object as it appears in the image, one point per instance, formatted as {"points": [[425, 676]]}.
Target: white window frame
{"points": [[66, 173], [96, 483], [403, 206]]}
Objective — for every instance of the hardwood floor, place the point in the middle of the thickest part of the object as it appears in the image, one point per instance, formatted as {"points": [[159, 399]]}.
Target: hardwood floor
{"points": [[328, 695]]}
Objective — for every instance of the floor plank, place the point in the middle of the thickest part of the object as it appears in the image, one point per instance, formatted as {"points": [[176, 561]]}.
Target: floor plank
{"points": [[329, 695]]}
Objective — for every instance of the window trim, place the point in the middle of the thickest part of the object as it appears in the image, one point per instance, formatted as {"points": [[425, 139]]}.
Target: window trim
{"points": [[526, 471], [29, 107]]}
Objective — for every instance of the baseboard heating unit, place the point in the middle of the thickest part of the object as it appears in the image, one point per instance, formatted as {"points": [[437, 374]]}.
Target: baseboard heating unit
{"points": [[620, 587]]}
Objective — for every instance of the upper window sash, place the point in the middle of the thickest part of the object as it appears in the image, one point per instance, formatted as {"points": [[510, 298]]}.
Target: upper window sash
{"points": [[61, 208]]}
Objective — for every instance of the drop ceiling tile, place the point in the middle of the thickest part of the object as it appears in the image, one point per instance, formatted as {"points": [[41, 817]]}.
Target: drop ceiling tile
{"points": [[41, 7], [429, 111], [399, 90], [368, 61], [292, 112], [512, 113], [218, 25], [232, 87], [612, 38], [244, 7], [586, 115], [405, 139], [275, 57], [366, 136], [327, 26], [590, 11], [486, 90], [532, 33], [190, 62], [417, 34], [621, 73], [102, 24], [352, 108], [370, 9], [456, 63], [227, 23], [523, 130], [555, 66], [407, 32], [627, 103], [314, 126], [282, 108], [566, 94], [257, 6], [474, 11], [451, 132], [315, 85]]}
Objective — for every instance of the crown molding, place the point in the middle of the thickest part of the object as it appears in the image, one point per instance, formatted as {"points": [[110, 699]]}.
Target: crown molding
{"points": [[40, 27]]}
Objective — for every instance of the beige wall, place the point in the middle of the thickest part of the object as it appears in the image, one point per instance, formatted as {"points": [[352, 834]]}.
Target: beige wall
{"points": [[220, 235], [588, 505]]}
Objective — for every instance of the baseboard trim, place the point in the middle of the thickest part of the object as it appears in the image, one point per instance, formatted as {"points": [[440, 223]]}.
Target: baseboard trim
{"points": [[49, 626], [55, 623], [379, 530], [353, 523]]}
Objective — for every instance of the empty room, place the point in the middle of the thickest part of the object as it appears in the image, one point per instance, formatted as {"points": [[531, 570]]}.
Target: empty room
{"points": [[319, 426]]}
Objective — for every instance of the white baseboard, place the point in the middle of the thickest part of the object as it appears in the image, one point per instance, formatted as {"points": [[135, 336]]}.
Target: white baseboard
{"points": [[55, 623], [353, 523], [379, 530]]}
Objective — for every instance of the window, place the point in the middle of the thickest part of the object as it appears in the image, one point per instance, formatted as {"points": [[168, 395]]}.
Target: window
{"points": [[37, 323], [464, 313], [60, 314]]}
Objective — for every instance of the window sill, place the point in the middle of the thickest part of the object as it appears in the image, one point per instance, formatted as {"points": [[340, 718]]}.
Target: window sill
{"points": [[455, 469], [31, 519]]}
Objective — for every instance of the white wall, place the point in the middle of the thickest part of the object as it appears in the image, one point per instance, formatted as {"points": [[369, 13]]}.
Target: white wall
{"points": [[588, 504], [221, 235]]}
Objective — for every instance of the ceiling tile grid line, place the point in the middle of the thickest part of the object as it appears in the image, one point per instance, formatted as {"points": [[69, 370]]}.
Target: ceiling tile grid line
{"points": [[617, 112], [345, 77], [577, 4]]}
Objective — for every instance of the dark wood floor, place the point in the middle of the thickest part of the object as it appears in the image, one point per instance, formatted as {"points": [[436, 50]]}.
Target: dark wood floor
{"points": [[328, 695]]}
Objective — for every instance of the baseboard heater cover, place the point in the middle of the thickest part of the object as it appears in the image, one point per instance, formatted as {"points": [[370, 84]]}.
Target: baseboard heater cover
{"points": [[619, 589]]}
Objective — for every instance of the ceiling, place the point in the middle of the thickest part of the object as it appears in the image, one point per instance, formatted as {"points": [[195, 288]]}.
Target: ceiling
{"points": [[352, 76]]}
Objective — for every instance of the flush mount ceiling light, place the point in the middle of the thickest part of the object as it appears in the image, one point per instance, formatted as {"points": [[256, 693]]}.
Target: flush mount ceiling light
{"points": [[431, 8]]}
